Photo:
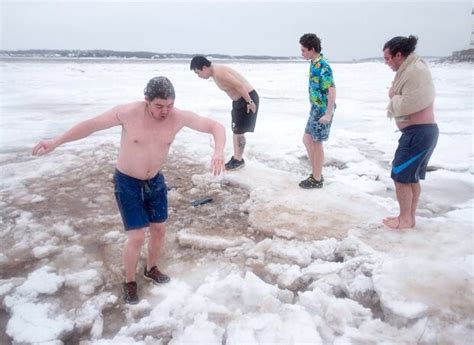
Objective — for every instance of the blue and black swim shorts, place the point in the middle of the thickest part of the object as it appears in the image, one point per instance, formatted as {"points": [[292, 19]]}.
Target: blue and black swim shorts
{"points": [[415, 147]]}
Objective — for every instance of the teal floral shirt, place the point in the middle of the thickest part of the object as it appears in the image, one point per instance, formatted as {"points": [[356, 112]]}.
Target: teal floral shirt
{"points": [[320, 80]]}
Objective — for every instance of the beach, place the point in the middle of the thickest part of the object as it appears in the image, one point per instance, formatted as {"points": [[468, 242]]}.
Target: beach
{"points": [[265, 261]]}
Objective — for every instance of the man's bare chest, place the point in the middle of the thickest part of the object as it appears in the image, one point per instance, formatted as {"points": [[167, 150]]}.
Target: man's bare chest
{"points": [[222, 85], [144, 136]]}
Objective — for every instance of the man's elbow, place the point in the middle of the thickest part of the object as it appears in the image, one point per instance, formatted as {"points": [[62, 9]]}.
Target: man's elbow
{"points": [[217, 129]]}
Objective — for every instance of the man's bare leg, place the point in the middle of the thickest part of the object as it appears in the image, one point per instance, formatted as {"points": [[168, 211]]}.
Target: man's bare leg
{"points": [[131, 252], [318, 159], [308, 143], [155, 243], [239, 146], [405, 199], [416, 189], [315, 152]]}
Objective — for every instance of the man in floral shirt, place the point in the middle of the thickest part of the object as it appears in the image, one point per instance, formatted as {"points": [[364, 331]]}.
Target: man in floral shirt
{"points": [[322, 96]]}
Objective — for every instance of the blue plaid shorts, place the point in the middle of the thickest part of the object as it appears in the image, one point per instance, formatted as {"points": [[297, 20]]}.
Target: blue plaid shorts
{"points": [[317, 130]]}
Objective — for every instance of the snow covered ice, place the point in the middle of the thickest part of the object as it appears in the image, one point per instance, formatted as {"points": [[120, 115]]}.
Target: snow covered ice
{"points": [[264, 263]]}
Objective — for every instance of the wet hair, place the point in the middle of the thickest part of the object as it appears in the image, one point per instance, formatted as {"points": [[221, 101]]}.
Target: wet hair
{"points": [[159, 87], [404, 45], [311, 41], [198, 62]]}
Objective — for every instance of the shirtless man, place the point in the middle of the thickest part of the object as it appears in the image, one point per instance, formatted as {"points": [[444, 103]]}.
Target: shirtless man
{"points": [[148, 129], [411, 105], [244, 106]]}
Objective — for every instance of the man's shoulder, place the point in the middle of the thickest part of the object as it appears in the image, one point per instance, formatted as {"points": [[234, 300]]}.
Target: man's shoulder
{"points": [[220, 68], [178, 114], [320, 63], [136, 104], [223, 70], [325, 63], [131, 107], [183, 117], [129, 110], [418, 69]]}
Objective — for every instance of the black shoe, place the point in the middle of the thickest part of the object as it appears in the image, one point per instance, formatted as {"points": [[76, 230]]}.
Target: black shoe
{"points": [[156, 276], [130, 294], [234, 164], [311, 182]]}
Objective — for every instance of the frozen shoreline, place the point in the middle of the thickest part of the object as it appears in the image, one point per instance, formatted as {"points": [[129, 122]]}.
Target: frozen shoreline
{"points": [[266, 261], [74, 237]]}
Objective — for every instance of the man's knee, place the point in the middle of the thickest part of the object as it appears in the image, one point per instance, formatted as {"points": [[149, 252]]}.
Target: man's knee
{"points": [[400, 186], [157, 229], [136, 238], [307, 140], [317, 143]]}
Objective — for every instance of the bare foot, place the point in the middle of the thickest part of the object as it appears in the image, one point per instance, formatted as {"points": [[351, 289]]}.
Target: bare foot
{"points": [[390, 219], [398, 223]]}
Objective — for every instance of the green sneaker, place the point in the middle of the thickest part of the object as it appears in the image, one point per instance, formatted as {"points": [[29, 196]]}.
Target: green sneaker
{"points": [[311, 182]]}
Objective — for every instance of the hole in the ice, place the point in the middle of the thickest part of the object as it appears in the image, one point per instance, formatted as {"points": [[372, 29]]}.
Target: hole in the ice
{"points": [[336, 164], [337, 258]]}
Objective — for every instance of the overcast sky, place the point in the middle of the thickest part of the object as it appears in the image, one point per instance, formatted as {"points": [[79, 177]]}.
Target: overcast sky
{"points": [[349, 29]]}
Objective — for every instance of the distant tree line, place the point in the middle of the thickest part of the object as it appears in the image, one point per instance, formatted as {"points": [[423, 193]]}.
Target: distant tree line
{"points": [[99, 53]]}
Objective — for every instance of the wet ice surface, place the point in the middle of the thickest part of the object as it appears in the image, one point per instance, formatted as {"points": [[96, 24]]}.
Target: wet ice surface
{"points": [[265, 262]]}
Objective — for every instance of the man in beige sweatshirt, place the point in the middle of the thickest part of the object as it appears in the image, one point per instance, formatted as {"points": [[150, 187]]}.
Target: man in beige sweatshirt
{"points": [[411, 105]]}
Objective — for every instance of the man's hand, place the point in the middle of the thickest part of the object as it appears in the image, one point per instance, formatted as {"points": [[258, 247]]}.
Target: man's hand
{"points": [[391, 93], [325, 119], [217, 164], [252, 107], [43, 147]]}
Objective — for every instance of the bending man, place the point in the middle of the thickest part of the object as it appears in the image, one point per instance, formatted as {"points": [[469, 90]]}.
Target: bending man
{"points": [[244, 106]]}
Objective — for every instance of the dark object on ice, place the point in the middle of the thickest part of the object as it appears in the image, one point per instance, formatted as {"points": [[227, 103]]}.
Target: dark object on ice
{"points": [[202, 201]]}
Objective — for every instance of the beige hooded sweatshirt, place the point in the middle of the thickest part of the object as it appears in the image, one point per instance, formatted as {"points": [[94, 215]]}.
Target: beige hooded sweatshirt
{"points": [[413, 88]]}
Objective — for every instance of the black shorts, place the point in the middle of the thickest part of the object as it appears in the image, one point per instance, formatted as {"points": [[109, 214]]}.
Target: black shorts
{"points": [[241, 121], [413, 153]]}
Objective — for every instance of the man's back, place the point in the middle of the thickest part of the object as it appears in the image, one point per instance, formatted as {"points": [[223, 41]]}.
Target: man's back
{"points": [[228, 79]]}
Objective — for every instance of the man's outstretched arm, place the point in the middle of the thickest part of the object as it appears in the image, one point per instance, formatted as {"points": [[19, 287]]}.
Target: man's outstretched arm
{"points": [[83, 129], [206, 125]]}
